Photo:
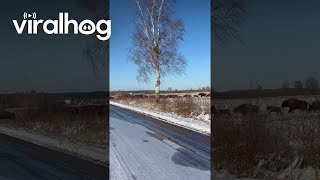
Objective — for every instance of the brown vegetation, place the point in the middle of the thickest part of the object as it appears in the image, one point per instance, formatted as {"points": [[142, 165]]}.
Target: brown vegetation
{"points": [[46, 115], [262, 146], [182, 105]]}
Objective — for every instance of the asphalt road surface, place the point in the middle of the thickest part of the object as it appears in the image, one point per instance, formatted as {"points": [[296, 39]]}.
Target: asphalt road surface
{"points": [[26, 161], [143, 148]]}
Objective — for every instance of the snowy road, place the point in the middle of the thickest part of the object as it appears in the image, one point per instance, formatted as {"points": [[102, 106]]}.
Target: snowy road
{"points": [[143, 148]]}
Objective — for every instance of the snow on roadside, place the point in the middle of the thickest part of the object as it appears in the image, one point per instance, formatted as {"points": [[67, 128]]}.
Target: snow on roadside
{"points": [[189, 123], [88, 152]]}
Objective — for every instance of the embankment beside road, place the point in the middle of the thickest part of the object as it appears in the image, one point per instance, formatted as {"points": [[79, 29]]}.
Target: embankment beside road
{"points": [[89, 152], [202, 126]]}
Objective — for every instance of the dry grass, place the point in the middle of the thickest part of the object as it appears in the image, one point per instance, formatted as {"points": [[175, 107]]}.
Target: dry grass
{"points": [[39, 113], [260, 145], [185, 107], [90, 128]]}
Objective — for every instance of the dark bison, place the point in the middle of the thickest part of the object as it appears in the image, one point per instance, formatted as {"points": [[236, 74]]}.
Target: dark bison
{"points": [[6, 115], [172, 96], [202, 94], [245, 109], [187, 96], [275, 109], [293, 104], [315, 106]]}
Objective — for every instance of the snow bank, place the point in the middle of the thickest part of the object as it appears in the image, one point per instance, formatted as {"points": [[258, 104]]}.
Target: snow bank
{"points": [[88, 152], [192, 124]]}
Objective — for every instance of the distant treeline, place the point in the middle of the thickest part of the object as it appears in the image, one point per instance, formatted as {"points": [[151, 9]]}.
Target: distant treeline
{"points": [[260, 93], [162, 91], [81, 95], [35, 99]]}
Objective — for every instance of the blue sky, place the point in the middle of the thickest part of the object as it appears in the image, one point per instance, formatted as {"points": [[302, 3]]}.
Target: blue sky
{"points": [[281, 42], [195, 47], [49, 63]]}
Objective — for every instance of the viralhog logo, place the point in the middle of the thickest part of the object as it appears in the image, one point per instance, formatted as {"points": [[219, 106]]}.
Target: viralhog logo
{"points": [[61, 26]]}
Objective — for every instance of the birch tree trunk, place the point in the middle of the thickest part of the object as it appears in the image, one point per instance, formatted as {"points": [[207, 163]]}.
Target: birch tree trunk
{"points": [[157, 84], [157, 71]]}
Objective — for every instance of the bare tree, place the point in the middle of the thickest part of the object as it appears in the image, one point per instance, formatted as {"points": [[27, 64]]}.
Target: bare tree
{"points": [[285, 84], [156, 40], [96, 52], [311, 83], [298, 85], [259, 88], [227, 17]]}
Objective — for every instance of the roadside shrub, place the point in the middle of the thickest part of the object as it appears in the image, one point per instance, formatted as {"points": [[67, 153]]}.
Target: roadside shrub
{"points": [[184, 107]]}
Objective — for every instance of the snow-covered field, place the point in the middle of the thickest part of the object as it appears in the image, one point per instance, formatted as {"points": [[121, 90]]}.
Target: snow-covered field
{"points": [[199, 125]]}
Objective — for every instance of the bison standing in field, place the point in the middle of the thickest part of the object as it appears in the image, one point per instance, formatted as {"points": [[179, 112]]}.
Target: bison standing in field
{"points": [[202, 94], [245, 109], [275, 109], [315, 106], [172, 96], [187, 96], [6, 115], [294, 104]]}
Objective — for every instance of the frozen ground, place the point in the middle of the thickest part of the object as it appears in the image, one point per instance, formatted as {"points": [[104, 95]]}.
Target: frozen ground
{"points": [[88, 152], [202, 126], [137, 151]]}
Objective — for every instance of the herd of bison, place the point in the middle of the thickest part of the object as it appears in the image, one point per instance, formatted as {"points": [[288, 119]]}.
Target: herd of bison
{"points": [[170, 96], [292, 104], [244, 109], [94, 109]]}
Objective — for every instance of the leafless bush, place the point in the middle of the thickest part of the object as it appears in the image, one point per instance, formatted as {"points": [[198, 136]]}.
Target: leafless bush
{"points": [[185, 107], [234, 145], [41, 113], [87, 128]]}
